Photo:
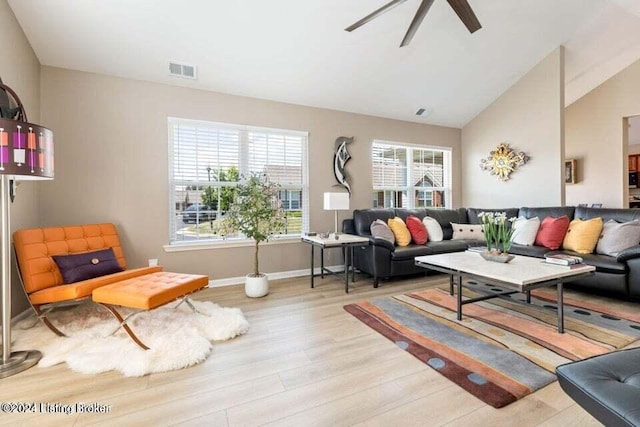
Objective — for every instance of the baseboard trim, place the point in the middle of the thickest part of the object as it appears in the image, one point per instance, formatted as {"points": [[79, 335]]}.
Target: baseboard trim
{"points": [[230, 281]]}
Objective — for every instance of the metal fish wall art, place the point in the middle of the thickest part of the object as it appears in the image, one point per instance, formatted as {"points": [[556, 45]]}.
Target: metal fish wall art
{"points": [[340, 159]]}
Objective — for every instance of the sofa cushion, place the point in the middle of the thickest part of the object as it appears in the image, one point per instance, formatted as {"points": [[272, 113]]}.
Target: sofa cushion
{"points": [[541, 213], [473, 214], [467, 232], [617, 237], [445, 217], [582, 235], [400, 231], [431, 248], [87, 265], [446, 246], [552, 231], [525, 230], [534, 251], [380, 230], [434, 230], [405, 213], [619, 215], [417, 229], [602, 263], [410, 252]]}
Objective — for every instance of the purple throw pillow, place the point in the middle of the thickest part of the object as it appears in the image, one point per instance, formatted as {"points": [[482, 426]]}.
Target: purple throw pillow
{"points": [[87, 265]]}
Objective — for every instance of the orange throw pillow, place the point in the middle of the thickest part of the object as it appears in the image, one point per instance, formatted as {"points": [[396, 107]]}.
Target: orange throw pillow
{"points": [[552, 231], [400, 231], [417, 229]]}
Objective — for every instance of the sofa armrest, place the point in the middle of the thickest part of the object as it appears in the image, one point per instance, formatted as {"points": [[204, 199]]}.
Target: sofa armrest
{"points": [[629, 253], [376, 241]]}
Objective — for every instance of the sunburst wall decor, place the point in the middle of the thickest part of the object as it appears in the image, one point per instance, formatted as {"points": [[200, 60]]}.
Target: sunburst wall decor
{"points": [[502, 161]]}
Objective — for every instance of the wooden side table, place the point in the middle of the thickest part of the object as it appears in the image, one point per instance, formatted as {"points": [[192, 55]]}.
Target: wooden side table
{"points": [[346, 241]]}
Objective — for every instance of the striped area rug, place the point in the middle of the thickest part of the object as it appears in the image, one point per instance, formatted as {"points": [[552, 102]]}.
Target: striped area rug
{"points": [[503, 349]]}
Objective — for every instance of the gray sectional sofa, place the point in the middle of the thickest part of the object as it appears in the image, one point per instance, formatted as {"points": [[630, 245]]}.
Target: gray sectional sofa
{"points": [[619, 276]]}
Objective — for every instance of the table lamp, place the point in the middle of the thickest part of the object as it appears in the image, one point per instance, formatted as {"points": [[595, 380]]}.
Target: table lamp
{"points": [[336, 202], [26, 153]]}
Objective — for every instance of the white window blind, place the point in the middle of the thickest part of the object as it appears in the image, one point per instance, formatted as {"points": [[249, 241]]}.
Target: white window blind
{"points": [[408, 176], [208, 159]]}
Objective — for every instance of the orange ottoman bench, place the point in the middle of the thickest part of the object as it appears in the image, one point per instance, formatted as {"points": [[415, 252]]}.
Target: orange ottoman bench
{"points": [[146, 293]]}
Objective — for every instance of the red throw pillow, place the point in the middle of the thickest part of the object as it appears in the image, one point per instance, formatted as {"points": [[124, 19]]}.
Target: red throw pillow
{"points": [[417, 229], [552, 231]]}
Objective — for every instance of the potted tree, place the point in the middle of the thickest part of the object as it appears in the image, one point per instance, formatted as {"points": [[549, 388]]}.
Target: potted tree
{"points": [[256, 214]]}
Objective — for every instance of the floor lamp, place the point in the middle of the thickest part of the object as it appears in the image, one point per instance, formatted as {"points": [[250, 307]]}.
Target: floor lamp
{"points": [[336, 202], [26, 153]]}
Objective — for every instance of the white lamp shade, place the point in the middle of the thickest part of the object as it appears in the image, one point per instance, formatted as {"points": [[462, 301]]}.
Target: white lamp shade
{"points": [[336, 201]]}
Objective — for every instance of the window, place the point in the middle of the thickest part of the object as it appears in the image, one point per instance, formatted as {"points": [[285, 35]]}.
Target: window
{"points": [[208, 159], [410, 176]]}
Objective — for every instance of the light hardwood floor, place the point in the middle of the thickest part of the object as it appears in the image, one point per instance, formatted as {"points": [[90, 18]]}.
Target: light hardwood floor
{"points": [[304, 362]]}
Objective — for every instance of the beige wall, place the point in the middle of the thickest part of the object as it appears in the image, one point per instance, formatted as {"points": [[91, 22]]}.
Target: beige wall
{"points": [[594, 131], [528, 116], [112, 161], [20, 70]]}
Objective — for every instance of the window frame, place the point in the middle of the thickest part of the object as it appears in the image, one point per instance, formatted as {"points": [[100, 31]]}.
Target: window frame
{"points": [[243, 166], [409, 188]]}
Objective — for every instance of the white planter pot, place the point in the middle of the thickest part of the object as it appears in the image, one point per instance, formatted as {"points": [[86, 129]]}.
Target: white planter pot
{"points": [[256, 287]]}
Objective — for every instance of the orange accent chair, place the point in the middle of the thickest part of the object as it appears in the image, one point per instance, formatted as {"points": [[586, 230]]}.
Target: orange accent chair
{"points": [[142, 288]]}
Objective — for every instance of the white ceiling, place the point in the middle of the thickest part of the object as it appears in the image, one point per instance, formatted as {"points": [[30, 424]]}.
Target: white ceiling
{"points": [[297, 50]]}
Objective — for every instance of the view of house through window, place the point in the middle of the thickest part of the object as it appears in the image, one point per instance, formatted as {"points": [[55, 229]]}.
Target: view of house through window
{"points": [[209, 159], [410, 176]]}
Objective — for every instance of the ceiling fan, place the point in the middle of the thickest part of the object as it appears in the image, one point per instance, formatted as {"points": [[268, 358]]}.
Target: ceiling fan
{"points": [[460, 7]]}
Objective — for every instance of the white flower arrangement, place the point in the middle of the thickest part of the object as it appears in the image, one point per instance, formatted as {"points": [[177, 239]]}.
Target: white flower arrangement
{"points": [[498, 230]]}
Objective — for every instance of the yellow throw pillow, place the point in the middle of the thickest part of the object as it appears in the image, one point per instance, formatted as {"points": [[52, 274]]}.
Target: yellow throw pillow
{"points": [[582, 236], [400, 231]]}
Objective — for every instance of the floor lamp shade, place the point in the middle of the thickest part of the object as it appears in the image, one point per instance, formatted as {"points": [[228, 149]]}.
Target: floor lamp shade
{"points": [[26, 153], [336, 202]]}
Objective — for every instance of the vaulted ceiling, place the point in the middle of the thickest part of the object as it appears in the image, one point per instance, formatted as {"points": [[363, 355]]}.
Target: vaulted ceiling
{"points": [[297, 50]]}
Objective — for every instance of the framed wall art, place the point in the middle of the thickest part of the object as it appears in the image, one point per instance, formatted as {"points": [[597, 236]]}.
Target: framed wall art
{"points": [[503, 161], [570, 171]]}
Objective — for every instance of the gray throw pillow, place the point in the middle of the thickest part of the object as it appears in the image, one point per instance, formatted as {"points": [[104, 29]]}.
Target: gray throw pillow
{"points": [[381, 230], [616, 237]]}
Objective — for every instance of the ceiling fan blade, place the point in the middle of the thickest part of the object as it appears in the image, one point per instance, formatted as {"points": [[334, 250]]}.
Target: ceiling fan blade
{"points": [[417, 20], [466, 15], [375, 14]]}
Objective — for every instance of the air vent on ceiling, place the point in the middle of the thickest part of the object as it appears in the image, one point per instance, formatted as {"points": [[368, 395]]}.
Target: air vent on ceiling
{"points": [[182, 70], [424, 112]]}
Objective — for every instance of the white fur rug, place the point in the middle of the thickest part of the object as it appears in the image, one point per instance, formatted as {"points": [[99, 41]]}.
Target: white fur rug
{"points": [[177, 338]]}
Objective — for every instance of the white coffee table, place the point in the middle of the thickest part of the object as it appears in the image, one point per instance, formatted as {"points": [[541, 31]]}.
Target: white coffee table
{"points": [[347, 241], [522, 274]]}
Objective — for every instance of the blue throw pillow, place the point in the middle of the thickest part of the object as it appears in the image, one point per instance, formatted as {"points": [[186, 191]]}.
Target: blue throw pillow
{"points": [[87, 265]]}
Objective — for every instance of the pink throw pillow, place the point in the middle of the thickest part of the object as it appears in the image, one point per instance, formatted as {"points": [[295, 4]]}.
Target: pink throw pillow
{"points": [[417, 229], [552, 231]]}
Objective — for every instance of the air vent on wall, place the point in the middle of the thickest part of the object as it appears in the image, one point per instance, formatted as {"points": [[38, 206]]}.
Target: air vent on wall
{"points": [[182, 70]]}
